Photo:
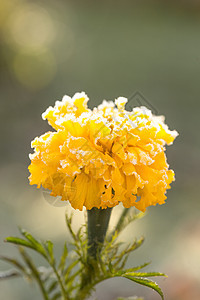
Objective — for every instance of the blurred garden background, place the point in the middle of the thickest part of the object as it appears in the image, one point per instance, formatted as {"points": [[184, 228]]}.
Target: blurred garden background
{"points": [[107, 49]]}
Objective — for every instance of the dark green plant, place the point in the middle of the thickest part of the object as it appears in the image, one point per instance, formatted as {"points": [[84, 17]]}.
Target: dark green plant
{"points": [[92, 260]]}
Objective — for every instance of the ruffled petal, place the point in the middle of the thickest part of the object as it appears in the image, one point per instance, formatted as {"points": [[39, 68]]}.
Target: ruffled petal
{"points": [[101, 157]]}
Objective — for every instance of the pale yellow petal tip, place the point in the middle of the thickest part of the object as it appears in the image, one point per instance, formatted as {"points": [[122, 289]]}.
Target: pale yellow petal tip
{"points": [[174, 133], [100, 157], [46, 113], [80, 100], [121, 102], [80, 95]]}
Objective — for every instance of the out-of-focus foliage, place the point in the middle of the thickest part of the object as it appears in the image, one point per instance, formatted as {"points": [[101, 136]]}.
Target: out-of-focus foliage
{"points": [[106, 48], [76, 277]]}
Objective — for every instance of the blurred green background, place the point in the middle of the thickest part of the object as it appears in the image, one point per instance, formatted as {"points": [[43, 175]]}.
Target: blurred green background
{"points": [[107, 49]]}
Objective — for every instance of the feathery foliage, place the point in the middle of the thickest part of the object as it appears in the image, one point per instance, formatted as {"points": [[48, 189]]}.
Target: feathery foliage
{"points": [[75, 275]]}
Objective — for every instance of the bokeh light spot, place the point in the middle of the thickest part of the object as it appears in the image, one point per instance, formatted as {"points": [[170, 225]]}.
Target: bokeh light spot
{"points": [[31, 26], [34, 70]]}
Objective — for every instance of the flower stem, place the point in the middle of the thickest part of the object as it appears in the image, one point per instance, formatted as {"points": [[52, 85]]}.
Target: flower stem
{"points": [[98, 220]]}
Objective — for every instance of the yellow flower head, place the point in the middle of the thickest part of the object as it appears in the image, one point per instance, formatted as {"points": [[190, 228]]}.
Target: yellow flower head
{"points": [[100, 157]]}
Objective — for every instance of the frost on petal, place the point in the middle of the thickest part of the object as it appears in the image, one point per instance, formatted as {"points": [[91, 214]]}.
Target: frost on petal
{"points": [[104, 156], [120, 102]]}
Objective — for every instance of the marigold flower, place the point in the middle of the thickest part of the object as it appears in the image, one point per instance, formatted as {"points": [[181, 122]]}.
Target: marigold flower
{"points": [[100, 157]]}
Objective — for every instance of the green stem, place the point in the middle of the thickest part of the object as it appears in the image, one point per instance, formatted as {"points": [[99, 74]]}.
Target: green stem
{"points": [[98, 220]]}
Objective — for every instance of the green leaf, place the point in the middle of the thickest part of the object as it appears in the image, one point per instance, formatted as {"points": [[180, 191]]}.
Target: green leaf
{"points": [[31, 242], [123, 262], [69, 226], [52, 286], [79, 234], [49, 248], [15, 263], [130, 298], [110, 267], [35, 272], [72, 277], [56, 296], [69, 269], [144, 274], [136, 244], [35, 243], [9, 274], [121, 256], [63, 257], [147, 282], [128, 216], [19, 242], [102, 265], [133, 269]]}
